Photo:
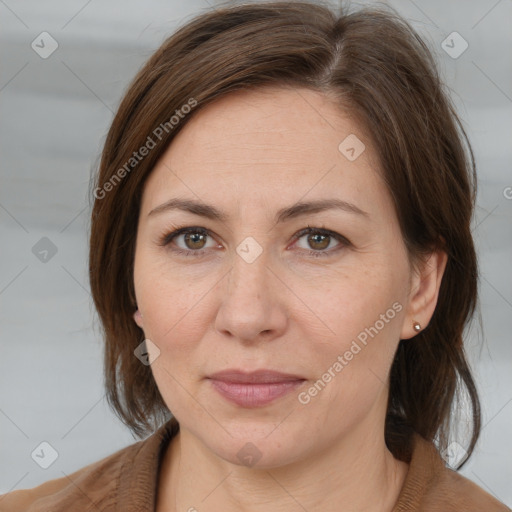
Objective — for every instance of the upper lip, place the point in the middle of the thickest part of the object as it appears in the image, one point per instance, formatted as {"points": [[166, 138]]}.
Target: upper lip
{"points": [[254, 377]]}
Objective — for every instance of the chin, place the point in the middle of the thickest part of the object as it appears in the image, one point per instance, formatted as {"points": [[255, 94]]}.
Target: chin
{"points": [[259, 455], [258, 446]]}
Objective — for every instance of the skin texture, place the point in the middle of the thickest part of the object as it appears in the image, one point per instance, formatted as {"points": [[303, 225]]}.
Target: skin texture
{"points": [[250, 154]]}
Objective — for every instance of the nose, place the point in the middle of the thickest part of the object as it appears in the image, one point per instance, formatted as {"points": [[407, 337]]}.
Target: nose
{"points": [[252, 305]]}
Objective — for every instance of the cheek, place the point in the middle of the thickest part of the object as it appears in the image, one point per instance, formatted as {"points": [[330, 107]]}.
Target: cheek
{"points": [[174, 319], [348, 303], [362, 310], [175, 310], [168, 295], [351, 368], [174, 322]]}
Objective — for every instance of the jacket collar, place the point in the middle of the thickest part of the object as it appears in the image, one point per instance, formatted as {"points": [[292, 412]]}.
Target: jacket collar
{"points": [[139, 474]]}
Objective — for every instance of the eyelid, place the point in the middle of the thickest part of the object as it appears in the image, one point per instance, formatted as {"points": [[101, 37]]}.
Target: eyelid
{"points": [[168, 236], [322, 231]]}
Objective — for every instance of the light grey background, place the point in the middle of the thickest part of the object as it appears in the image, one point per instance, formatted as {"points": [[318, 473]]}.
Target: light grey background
{"points": [[55, 113]]}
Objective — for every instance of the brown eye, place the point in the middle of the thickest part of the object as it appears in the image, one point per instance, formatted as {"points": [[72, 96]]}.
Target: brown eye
{"points": [[190, 241], [195, 240], [318, 241]]}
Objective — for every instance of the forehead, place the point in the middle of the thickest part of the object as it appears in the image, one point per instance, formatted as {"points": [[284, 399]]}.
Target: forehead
{"points": [[266, 146]]}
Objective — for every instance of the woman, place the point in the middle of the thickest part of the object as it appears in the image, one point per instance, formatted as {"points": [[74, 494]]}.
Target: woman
{"points": [[281, 257]]}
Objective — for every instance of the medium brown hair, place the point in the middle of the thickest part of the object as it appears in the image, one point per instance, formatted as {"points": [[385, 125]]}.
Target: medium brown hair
{"points": [[377, 66]]}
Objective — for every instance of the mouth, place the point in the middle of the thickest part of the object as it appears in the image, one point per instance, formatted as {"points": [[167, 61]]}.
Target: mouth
{"points": [[254, 389]]}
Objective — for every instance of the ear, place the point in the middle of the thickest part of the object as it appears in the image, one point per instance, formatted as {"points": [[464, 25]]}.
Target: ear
{"points": [[425, 285], [137, 316]]}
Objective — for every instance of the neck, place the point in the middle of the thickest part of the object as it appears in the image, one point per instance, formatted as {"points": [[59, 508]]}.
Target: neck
{"points": [[357, 471]]}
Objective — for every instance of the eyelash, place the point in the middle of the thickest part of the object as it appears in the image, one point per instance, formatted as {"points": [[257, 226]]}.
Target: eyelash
{"points": [[167, 238]]}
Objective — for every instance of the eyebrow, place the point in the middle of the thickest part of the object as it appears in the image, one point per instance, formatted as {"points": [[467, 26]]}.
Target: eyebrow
{"points": [[291, 212]]}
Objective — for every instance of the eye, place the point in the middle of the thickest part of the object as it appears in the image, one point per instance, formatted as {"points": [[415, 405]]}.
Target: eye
{"points": [[320, 239], [194, 241]]}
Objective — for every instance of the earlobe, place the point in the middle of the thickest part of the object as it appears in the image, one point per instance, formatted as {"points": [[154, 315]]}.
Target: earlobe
{"points": [[137, 316], [424, 295]]}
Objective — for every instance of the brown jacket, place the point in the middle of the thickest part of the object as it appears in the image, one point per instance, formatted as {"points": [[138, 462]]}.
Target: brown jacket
{"points": [[126, 481]]}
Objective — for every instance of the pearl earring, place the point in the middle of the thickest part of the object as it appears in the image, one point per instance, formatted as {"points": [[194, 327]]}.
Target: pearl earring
{"points": [[416, 326]]}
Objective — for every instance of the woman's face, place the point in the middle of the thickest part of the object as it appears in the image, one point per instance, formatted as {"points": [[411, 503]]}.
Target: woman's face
{"points": [[253, 291]]}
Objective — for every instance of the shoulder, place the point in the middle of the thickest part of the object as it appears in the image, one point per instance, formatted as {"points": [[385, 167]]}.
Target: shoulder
{"points": [[431, 486], [89, 487], [455, 492], [128, 475]]}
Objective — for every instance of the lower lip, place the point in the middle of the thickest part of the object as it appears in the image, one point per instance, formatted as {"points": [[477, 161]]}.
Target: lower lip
{"points": [[254, 395]]}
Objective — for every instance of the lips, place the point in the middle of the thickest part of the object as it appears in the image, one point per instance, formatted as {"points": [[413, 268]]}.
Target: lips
{"points": [[254, 377], [254, 389]]}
